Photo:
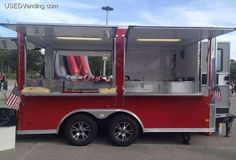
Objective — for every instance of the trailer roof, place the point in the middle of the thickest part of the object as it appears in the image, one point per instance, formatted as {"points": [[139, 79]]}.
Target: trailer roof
{"points": [[47, 35], [61, 37], [178, 36]]}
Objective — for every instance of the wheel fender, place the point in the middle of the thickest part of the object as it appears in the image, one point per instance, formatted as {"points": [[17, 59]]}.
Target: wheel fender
{"points": [[99, 114]]}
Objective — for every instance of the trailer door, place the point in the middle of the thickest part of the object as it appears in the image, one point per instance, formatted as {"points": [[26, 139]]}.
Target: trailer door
{"points": [[222, 76]]}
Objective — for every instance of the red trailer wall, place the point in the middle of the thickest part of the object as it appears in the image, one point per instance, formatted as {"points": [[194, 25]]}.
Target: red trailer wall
{"points": [[41, 113]]}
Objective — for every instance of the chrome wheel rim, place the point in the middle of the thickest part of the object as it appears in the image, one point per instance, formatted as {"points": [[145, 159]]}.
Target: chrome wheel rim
{"points": [[123, 131], [80, 130]]}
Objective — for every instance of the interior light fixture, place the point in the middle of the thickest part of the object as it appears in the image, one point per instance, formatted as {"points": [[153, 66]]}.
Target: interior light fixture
{"points": [[80, 38], [158, 40]]}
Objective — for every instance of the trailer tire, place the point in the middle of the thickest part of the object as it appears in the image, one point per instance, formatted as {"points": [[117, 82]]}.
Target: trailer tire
{"points": [[123, 130], [80, 130]]}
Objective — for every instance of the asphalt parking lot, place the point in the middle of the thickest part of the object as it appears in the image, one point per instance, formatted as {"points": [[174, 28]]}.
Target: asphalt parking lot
{"points": [[148, 147]]}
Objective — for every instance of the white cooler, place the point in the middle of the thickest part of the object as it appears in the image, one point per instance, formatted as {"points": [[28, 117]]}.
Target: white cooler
{"points": [[7, 138]]}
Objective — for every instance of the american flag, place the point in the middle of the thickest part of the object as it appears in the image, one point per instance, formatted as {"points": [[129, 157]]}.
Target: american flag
{"points": [[217, 94], [13, 100]]}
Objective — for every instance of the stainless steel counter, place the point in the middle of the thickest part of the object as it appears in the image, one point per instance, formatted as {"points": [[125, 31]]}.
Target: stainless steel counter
{"points": [[160, 86]]}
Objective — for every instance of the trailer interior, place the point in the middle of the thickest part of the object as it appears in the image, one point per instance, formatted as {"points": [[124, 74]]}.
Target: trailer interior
{"points": [[69, 56], [165, 60]]}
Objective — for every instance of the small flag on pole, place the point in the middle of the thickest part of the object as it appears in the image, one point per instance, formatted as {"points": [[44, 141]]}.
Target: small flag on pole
{"points": [[13, 100], [217, 94]]}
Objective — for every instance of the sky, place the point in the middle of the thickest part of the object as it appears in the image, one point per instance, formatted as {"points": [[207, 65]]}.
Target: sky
{"points": [[199, 13]]}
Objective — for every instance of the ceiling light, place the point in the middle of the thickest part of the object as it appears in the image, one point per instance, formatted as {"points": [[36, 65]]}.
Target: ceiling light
{"points": [[158, 40], [80, 38]]}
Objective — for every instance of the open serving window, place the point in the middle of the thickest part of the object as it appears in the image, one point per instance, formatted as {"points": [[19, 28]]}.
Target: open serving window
{"points": [[70, 59], [165, 60]]}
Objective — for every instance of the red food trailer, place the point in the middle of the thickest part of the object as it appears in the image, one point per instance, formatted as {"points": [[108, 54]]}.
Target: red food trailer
{"points": [[154, 81]]}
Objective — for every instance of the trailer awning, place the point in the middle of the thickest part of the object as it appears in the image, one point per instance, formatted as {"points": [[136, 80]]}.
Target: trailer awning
{"points": [[171, 36], [71, 37]]}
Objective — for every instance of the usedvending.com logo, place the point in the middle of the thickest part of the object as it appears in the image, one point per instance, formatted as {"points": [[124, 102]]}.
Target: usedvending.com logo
{"points": [[30, 6]]}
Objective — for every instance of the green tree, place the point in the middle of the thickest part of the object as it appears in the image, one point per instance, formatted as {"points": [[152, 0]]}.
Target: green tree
{"points": [[13, 60], [34, 61], [232, 70], [7, 60], [96, 65], [3, 59]]}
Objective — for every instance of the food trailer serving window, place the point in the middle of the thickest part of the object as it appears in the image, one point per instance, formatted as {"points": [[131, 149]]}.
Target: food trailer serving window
{"points": [[165, 60], [74, 59]]}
